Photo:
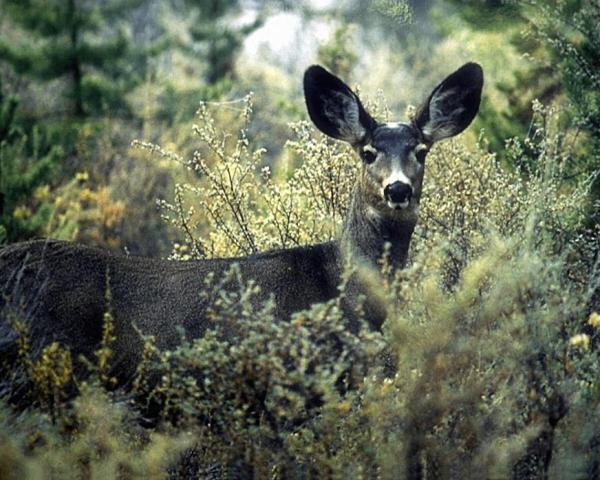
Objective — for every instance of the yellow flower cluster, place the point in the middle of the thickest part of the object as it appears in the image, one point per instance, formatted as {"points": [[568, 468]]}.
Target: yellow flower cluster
{"points": [[594, 320], [581, 340]]}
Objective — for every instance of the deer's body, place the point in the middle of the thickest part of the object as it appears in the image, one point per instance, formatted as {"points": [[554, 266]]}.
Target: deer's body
{"points": [[61, 287], [157, 296]]}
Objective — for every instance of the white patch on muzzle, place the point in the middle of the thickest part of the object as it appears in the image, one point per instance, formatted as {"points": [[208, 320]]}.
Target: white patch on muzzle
{"points": [[370, 148], [397, 206], [397, 175]]}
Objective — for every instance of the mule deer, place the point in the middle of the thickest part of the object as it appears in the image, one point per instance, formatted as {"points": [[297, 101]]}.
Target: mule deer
{"points": [[62, 285]]}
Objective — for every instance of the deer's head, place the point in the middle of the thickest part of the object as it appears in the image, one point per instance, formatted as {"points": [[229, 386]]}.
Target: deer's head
{"points": [[393, 154]]}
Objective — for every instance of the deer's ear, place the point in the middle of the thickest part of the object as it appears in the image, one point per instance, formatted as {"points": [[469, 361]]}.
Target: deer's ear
{"points": [[334, 108], [452, 105]]}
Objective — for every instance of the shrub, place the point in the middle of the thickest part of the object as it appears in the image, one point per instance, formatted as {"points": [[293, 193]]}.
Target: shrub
{"points": [[486, 330], [27, 166]]}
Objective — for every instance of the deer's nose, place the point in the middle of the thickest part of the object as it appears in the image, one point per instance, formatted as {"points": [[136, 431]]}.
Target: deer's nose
{"points": [[398, 192]]}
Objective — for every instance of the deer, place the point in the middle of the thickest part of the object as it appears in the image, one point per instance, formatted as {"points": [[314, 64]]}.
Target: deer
{"points": [[60, 287]]}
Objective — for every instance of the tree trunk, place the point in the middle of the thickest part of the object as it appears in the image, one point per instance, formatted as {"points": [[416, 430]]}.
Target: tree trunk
{"points": [[76, 73]]}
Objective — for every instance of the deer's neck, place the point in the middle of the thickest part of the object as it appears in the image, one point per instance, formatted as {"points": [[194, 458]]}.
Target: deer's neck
{"points": [[366, 232]]}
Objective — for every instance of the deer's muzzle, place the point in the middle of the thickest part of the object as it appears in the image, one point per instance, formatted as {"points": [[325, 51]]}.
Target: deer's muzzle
{"points": [[398, 195]]}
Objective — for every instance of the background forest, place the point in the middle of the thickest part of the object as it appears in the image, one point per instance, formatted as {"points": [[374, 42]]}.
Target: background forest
{"points": [[177, 128]]}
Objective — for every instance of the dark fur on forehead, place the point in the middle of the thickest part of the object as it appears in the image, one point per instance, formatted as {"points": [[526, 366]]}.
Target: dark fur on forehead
{"points": [[398, 134]]}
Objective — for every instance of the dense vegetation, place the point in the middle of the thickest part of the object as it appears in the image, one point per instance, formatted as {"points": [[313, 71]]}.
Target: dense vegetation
{"points": [[141, 135]]}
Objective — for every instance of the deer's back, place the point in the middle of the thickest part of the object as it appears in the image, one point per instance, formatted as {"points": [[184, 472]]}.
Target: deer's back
{"points": [[60, 290]]}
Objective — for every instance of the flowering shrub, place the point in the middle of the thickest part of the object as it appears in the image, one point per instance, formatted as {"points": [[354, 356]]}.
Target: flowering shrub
{"points": [[490, 333]]}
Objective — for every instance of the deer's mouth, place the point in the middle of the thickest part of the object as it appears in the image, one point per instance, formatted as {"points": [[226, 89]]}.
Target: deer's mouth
{"points": [[398, 205]]}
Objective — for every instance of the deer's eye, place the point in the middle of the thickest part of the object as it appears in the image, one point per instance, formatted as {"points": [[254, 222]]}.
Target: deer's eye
{"points": [[368, 154], [421, 154]]}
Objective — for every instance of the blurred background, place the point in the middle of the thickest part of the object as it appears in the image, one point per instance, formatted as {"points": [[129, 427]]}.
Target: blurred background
{"points": [[81, 79]]}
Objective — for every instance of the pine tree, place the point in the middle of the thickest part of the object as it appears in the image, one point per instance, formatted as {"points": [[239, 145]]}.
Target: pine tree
{"points": [[71, 39], [338, 54], [218, 40], [24, 171], [571, 30], [565, 35]]}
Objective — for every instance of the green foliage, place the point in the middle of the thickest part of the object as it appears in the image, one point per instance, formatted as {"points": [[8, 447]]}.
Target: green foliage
{"points": [[399, 11], [97, 439], [64, 43], [253, 379], [489, 13], [492, 330], [46, 378], [215, 44], [176, 105], [571, 32], [491, 199], [529, 80], [241, 206], [486, 330], [26, 168], [495, 263], [392, 18], [559, 39], [219, 42], [338, 55]]}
